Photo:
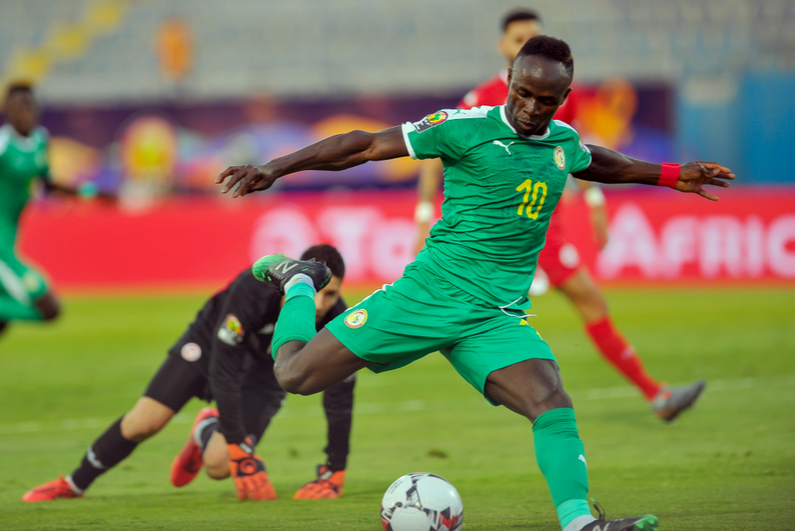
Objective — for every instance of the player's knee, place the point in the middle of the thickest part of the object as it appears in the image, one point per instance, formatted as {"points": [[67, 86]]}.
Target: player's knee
{"points": [[139, 428], [537, 405], [591, 305], [216, 464], [293, 383], [290, 380]]}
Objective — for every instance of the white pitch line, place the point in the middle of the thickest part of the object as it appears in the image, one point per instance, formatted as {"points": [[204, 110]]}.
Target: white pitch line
{"points": [[377, 408]]}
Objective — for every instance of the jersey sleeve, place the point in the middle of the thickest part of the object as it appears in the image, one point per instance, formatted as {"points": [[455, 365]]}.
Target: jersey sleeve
{"points": [[436, 136], [577, 152], [582, 157]]}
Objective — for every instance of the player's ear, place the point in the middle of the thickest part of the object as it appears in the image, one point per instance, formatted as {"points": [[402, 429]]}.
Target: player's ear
{"points": [[510, 76], [565, 95]]}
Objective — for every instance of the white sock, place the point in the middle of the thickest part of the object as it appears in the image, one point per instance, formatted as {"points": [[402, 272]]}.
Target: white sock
{"points": [[197, 433], [300, 278], [72, 485], [579, 522]]}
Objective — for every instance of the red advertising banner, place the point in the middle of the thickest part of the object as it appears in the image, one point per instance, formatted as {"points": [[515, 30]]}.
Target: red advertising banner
{"points": [[656, 235]]}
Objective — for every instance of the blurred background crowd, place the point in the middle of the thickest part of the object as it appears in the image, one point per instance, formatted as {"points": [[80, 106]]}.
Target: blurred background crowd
{"points": [[152, 98]]}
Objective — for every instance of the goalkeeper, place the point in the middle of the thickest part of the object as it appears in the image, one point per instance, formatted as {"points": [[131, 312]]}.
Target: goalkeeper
{"points": [[225, 355]]}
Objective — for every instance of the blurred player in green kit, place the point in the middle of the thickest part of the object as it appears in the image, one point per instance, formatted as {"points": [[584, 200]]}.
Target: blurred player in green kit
{"points": [[24, 294]]}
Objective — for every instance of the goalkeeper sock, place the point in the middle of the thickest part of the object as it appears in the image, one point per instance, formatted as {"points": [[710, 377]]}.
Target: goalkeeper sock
{"points": [[338, 404], [107, 451], [205, 430], [561, 458], [297, 319]]}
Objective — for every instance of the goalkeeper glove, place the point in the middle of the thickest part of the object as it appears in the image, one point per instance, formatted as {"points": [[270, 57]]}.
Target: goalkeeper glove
{"points": [[248, 470]]}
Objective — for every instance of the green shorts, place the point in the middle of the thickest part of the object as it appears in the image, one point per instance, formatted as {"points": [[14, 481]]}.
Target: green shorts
{"points": [[421, 313], [23, 283]]}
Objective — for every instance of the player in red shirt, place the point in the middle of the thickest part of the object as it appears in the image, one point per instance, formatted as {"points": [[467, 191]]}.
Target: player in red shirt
{"points": [[559, 259]]}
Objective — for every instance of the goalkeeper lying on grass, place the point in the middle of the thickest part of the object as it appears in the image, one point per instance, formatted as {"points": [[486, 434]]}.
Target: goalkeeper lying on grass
{"points": [[225, 355]]}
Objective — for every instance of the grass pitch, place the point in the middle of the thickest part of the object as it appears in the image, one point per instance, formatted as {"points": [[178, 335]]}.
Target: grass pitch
{"points": [[728, 464]]}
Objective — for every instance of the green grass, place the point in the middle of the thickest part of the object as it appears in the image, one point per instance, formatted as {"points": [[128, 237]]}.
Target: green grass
{"points": [[728, 464]]}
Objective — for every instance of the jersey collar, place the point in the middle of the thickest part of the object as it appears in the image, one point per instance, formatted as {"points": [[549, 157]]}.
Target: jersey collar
{"points": [[24, 143], [531, 137]]}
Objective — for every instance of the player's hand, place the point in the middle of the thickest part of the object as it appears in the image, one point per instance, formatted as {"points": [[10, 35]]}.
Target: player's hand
{"points": [[248, 471], [248, 179], [694, 175], [599, 224]]}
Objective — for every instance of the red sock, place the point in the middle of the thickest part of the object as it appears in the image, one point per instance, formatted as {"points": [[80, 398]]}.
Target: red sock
{"points": [[620, 353]]}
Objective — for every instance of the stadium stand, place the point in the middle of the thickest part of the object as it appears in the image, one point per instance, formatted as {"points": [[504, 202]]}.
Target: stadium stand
{"points": [[320, 48]]}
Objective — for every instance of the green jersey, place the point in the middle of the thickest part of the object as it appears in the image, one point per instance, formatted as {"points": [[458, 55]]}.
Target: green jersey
{"points": [[21, 160], [500, 190]]}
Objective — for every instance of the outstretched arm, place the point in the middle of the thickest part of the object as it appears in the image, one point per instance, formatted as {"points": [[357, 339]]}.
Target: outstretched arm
{"points": [[608, 166], [335, 153]]}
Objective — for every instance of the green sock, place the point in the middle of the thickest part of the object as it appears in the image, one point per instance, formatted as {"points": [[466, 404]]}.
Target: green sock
{"points": [[11, 310], [561, 458], [297, 319]]}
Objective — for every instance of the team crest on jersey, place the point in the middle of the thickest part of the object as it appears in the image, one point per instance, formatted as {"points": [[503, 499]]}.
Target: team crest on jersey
{"points": [[429, 121], [560, 158], [191, 352], [231, 331], [356, 319]]}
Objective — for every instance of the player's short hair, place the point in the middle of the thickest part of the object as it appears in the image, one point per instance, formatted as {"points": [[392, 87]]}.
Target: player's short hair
{"points": [[18, 86], [330, 255], [549, 48], [518, 15]]}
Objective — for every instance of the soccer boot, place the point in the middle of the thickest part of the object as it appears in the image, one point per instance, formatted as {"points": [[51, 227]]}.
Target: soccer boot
{"points": [[60, 488], [278, 270], [637, 523], [189, 460], [669, 403], [327, 485]]}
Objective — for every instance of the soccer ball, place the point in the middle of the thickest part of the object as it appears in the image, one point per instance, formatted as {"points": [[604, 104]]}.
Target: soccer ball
{"points": [[422, 502]]}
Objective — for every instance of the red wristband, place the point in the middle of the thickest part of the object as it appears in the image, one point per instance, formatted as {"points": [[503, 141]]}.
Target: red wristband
{"points": [[669, 174]]}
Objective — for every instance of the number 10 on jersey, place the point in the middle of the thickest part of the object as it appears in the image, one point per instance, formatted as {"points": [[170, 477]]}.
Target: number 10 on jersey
{"points": [[533, 209]]}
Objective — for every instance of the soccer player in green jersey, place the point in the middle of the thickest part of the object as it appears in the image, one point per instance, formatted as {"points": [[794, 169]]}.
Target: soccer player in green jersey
{"points": [[465, 295], [24, 294]]}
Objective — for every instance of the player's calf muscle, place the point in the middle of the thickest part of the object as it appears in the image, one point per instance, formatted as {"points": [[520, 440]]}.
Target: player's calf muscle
{"points": [[530, 388]]}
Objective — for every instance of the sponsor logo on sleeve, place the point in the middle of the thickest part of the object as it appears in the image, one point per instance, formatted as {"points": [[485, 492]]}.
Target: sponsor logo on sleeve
{"points": [[356, 319], [191, 352], [429, 121], [231, 331], [560, 158]]}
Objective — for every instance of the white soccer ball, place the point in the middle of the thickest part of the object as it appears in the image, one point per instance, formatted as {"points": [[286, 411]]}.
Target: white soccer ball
{"points": [[421, 502]]}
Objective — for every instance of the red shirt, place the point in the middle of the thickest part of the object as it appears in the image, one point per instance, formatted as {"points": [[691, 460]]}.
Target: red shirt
{"points": [[494, 92]]}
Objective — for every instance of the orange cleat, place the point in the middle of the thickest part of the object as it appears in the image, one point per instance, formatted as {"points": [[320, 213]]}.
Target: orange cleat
{"points": [[60, 488], [189, 461], [327, 485]]}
